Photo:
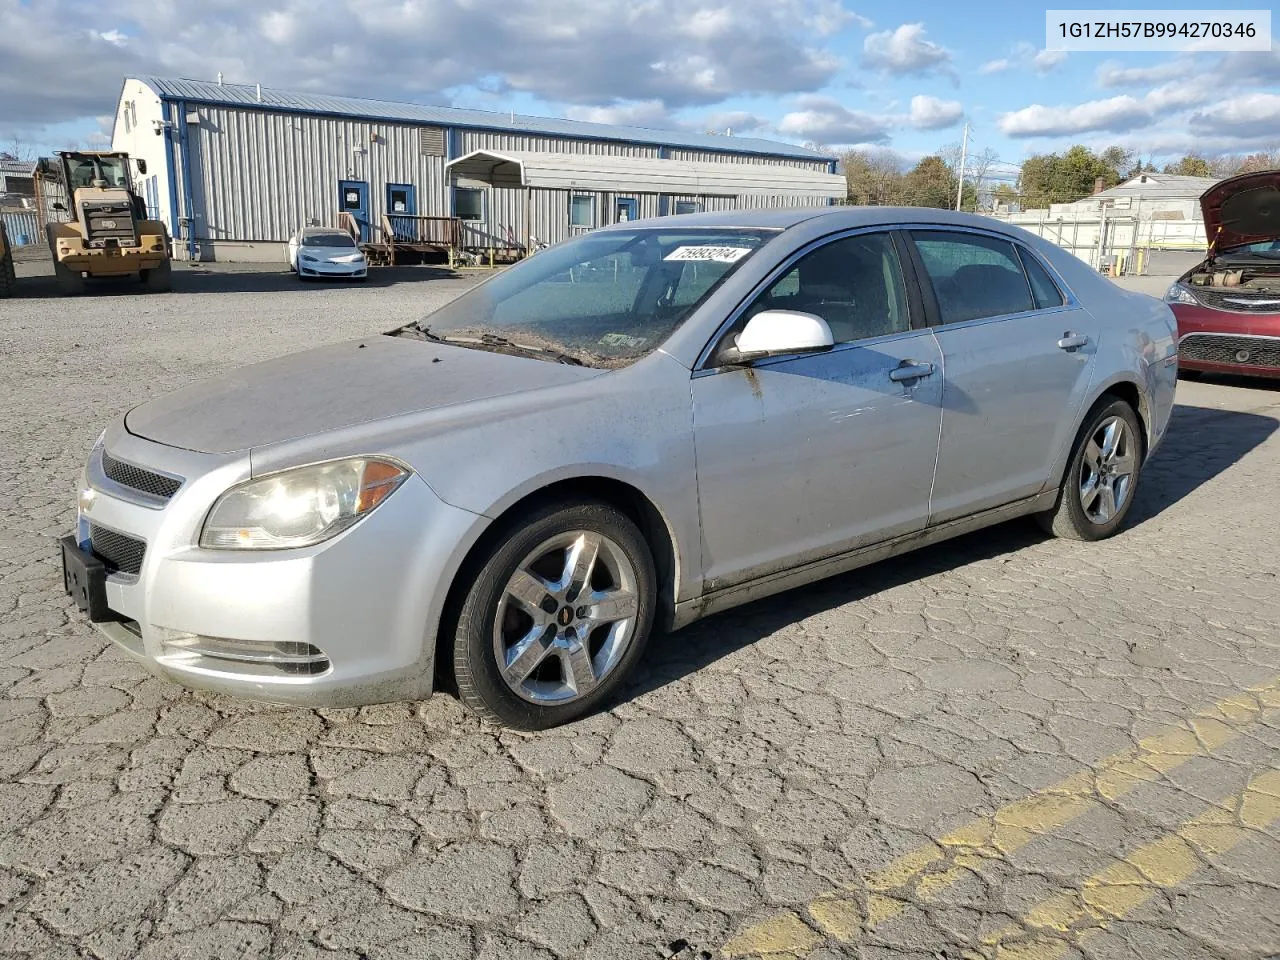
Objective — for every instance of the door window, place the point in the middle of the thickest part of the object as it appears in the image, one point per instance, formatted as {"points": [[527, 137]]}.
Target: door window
{"points": [[1043, 290], [855, 284], [973, 276]]}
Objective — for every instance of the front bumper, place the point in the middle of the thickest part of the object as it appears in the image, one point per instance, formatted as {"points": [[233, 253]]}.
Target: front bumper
{"points": [[324, 268], [1217, 341], [347, 622]]}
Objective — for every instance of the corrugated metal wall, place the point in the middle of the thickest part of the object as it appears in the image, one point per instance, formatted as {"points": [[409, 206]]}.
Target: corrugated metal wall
{"points": [[258, 175], [713, 156], [23, 228]]}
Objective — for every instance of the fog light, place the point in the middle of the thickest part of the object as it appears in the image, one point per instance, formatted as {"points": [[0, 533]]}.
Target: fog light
{"points": [[87, 499], [1242, 356]]}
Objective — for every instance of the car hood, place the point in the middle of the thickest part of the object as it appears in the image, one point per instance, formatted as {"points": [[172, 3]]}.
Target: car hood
{"points": [[1243, 209], [336, 386]]}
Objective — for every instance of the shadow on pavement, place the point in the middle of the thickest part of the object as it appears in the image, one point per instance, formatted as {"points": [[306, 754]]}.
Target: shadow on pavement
{"points": [[204, 281], [1201, 443]]}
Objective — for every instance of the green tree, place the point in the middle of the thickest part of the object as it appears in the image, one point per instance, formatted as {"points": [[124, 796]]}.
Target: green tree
{"points": [[1189, 166], [1051, 178], [930, 183], [874, 176]]}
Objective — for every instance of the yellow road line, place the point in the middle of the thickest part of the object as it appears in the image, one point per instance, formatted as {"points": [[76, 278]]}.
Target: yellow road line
{"points": [[1052, 926], [922, 873]]}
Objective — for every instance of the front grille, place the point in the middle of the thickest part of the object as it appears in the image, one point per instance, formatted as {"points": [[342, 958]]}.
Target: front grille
{"points": [[110, 220], [1240, 302], [139, 478], [1237, 351], [117, 550]]}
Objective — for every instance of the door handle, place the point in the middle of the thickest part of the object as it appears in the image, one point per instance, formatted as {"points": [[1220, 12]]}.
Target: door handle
{"points": [[910, 370], [1072, 341]]}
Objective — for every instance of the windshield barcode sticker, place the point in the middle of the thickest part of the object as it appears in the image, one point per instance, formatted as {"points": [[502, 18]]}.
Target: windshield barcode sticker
{"points": [[718, 254]]}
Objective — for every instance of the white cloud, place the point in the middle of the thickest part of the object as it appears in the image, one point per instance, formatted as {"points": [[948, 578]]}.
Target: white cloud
{"points": [[1113, 74], [1251, 116], [905, 51], [1116, 113], [1025, 55], [1180, 94], [826, 120], [930, 113], [590, 53], [643, 113], [739, 121]]}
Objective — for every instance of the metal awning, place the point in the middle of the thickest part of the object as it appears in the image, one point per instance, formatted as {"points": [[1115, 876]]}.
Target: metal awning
{"points": [[590, 172]]}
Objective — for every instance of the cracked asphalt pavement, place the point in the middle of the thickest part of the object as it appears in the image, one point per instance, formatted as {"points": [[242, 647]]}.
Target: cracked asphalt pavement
{"points": [[1004, 746]]}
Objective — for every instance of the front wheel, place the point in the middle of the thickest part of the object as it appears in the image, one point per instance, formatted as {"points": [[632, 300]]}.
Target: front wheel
{"points": [[158, 279], [556, 617], [1102, 476]]}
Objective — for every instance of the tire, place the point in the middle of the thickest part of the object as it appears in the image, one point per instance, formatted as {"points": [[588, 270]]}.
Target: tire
{"points": [[8, 279], [1096, 481], [158, 279], [68, 281], [564, 678]]}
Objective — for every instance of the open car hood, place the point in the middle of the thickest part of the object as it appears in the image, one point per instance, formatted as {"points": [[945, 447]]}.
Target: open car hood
{"points": [[1243, 209]]}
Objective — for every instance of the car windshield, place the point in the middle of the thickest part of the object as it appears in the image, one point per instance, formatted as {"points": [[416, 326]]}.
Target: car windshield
{"points": [[1264, 248], [328, 240], [604, 299]]}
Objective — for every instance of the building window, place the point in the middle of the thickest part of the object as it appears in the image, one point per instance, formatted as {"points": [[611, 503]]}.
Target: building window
{"points": [[582, 211], [688, 206], [468, 203], [127, 127]]}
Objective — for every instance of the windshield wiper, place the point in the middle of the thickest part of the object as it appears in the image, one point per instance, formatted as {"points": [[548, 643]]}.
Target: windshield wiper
{"points": [[493, 340], [556, 355]]}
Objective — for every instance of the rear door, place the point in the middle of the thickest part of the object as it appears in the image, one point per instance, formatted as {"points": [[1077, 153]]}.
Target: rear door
{"points": [[1018, 354]]}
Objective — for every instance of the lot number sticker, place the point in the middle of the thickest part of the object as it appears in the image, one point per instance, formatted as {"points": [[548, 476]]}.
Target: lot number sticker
{"points": [[716, 254]]}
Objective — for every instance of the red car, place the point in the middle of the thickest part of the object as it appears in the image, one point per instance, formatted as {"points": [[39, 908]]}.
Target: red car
{"points": [[1228, 306]]}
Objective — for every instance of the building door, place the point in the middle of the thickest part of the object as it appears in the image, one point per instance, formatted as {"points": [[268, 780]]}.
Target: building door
{"points": [[353, 198], [402, 206], [624, 209]]}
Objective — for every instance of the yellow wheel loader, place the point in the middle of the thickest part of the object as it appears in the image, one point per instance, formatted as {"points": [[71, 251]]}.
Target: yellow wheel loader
{"points": [[8, 281], [96, 224]]}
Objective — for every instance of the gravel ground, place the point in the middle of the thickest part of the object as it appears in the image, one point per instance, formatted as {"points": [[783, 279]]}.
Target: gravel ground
{"points": [[1003, 746]]}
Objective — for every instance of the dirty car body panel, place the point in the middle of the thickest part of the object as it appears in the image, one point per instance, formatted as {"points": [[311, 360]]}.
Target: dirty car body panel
{"points": [[759, 475]]}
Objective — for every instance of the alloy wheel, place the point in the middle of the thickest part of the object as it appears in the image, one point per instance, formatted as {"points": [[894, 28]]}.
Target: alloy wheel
{"points": [[1107, 470], [566, 617]]}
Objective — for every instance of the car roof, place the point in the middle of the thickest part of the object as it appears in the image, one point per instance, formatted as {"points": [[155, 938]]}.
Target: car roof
{"points": [[837, 218]]}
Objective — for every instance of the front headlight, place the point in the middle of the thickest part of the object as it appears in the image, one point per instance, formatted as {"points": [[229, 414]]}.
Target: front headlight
{"points": [[310, 259], [1180, 294], [299, 507]]}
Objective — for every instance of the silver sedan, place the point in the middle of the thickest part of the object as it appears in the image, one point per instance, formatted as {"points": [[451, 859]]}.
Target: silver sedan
{"points": [[624, 433]]}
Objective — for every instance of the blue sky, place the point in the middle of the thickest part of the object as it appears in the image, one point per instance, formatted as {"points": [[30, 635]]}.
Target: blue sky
{"points": [[835, 73]]}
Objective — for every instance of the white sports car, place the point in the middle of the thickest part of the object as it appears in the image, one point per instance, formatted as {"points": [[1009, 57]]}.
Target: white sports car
{"points": [[326, 252]]}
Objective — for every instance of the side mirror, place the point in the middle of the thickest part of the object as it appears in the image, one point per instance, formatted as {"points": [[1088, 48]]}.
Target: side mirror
{"points": [[775, 333], [142, 167]]}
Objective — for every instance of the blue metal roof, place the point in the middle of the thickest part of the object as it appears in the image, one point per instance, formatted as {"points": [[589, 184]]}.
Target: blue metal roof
{"points": [[246, 95]]}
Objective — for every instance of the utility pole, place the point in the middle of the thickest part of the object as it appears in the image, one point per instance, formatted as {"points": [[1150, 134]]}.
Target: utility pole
{"points": [[964, 149]]}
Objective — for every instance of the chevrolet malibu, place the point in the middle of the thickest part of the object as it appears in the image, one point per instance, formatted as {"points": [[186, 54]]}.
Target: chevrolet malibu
{"points": [[627, 432]]}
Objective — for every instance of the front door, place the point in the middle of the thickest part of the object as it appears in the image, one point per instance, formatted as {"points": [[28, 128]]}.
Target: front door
{"points": [[353, 198], [805, 457], [624, 209], [1019, 357], [402, 206]]}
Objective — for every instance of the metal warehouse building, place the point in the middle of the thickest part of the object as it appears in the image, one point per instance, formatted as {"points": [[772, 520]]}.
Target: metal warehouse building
{"points": [[235, 169]]}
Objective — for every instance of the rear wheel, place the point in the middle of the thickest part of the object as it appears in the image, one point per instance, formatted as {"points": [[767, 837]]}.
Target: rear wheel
{"points": [[69, 282], [8, 279], [158, 279], [556, 617], [1101, 478]]}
